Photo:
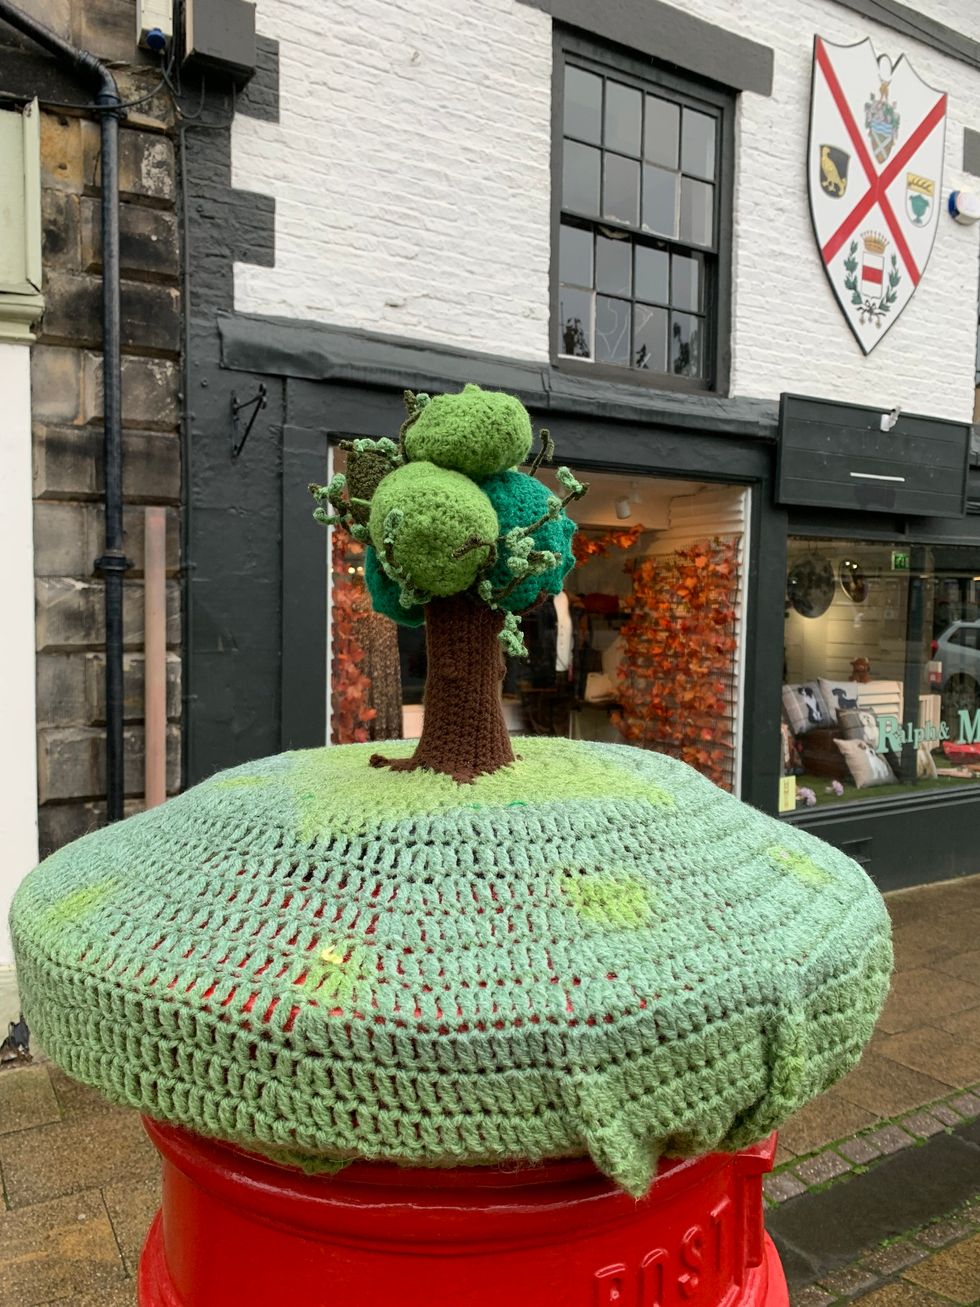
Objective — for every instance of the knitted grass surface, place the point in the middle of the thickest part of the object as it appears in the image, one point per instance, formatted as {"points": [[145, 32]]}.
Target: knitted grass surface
{"points": [[594, 950]]}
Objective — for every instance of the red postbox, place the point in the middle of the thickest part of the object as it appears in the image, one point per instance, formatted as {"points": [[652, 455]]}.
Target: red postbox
{"points": [[236, 1230]]}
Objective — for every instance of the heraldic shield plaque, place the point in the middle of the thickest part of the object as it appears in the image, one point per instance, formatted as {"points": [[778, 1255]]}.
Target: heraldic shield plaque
{"points": [[874, 174]]}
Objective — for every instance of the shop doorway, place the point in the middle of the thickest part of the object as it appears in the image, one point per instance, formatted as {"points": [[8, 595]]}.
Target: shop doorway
{"points": [[645, 645]]}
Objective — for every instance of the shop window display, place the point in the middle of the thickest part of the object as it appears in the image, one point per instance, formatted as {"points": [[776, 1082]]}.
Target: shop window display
{"points": [[881, 685], [642, 645]]}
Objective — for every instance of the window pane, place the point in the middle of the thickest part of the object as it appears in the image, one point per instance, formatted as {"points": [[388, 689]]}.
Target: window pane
{"points": [[580, 178], [583, 105], [652, 273], [612, 265], [623, 106], [850, 653], [662, 129], [575, 322], [698, 144], [685, 344], [612, 330], [697, 219], [575, 256], [685, 289], [660, 201], [621, 193], [650, 338]]}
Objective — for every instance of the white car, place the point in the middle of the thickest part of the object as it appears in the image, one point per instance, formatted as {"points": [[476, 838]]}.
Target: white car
{"points": [[958, 649]]}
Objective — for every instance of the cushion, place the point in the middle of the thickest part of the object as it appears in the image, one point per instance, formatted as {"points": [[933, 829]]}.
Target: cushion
{"points": [[593, 951], [805, 707], [820, 756], [859, 724], [867, 767], [839, 694]]}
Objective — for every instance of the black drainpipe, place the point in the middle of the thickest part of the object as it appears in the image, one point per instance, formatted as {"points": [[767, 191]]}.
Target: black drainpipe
{"points": [[113, 562]]}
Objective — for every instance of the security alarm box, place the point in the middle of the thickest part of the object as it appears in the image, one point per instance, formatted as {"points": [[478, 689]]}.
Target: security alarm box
{"points": [[220, 35]]}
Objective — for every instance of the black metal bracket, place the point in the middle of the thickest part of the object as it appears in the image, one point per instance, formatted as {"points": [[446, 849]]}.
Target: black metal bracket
{"points": [[256, 404], [113, 560]]}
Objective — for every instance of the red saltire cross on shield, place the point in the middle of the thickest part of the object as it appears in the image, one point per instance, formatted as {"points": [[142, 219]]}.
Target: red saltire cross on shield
{"points": [[878, 183]]}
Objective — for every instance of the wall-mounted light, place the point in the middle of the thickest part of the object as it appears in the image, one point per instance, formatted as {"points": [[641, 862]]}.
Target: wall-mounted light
{"points": [[890, 420], [624, 507]]}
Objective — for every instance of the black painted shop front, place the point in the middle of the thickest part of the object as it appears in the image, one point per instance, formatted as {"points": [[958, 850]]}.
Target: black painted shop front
{"points": [[255, 595]]}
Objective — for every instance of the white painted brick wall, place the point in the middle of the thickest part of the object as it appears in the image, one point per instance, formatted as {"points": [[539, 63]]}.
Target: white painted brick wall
{"points": [[411, 171]]}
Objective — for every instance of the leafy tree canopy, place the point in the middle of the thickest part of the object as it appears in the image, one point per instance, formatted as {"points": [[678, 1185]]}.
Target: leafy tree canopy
{"points": [[445, 511]]}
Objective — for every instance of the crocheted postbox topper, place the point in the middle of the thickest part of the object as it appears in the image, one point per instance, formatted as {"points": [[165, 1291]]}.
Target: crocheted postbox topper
{"points": [[459, 956]]}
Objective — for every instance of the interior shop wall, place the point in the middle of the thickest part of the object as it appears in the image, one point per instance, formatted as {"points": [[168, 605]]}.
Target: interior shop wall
{"points": [[410, 168], [684, 519], [875, 629]]}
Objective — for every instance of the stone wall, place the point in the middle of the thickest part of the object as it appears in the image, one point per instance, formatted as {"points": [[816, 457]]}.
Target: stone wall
{"points": [[67, 408]]}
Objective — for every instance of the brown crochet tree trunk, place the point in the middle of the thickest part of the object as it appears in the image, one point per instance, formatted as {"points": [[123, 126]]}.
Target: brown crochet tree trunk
{"points": [[463, 731]]}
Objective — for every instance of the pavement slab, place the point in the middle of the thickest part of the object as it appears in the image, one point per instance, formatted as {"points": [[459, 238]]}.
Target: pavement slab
{"points": [[894, 1257], [826, 1119], [964, 1024], [859, 1150], [940, 1233], [935, 1052], [124, 1295], [26, 1099], [73, 1155], [825, 1166], [850, 1281], [75, 1099], [953, 1273], [922, 995], [812, 1296], [924, 1124], [131, 1207], [887, 1088], [823, 1232], [965, 966], [55, 1250], [901, 1294], [889, 1139]]}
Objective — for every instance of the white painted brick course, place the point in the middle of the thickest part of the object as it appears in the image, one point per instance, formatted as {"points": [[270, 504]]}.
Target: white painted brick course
{"points": [[411, 172]]}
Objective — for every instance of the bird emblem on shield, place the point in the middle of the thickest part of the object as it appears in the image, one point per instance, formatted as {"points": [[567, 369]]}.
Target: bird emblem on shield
{"points": [[874, 171]]}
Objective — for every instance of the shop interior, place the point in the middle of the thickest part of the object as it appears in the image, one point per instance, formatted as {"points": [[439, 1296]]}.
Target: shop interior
{"points": [[863, 620], [643, 645]]}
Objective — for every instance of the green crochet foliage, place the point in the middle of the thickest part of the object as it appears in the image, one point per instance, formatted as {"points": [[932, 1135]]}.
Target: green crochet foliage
{"points": [[591, 951], [386, 593], [431, 527], [477, 432], [520, 500]]}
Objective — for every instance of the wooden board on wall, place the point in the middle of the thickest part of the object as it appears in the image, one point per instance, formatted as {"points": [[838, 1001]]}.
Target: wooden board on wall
{"points": [[837, 456]]}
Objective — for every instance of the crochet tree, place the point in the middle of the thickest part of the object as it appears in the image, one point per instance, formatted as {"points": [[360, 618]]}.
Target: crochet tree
{"points": [[461, 540]]}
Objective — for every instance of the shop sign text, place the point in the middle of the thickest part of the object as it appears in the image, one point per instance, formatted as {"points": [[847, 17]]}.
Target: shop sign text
{"points": [[893, 736]]}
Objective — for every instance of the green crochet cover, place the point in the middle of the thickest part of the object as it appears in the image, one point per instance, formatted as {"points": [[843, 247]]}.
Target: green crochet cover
{"points": [[593, 950]]}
